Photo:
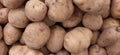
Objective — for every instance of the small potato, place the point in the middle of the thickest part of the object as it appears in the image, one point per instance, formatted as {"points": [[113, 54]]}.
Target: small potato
{"points": [[18, 14], [85, 52], [109, 36], [95, 37], [4, 15], [23, 50], [77, 39], [44, 50], [115, 9], [59, 10], [55, 42], [12, 3], [1, 33], [11, 34], [38, 9], [74, 20], [3, 48], [36, 35], [110, 22], [62, 52], [49, 22], [92, 21], [97, 50]]}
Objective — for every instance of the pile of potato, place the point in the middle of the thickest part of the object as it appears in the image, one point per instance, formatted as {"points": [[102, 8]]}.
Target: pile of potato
{"points": [[59, 27]]}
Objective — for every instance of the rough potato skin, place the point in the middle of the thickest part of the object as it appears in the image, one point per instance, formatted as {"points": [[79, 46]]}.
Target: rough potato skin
{"points": [[36, 35], [18, 14], [11, 34], [38, 9], [1, 33], [92, 21], [23, 50], [3, 48], [49, 22], [77, 39], [74, 20], [110, 22], [62, 52], [4, 15], [115, 9], [84, 52], [59, 10], [109, 36], [95, 37], [12, 3], [97, 50]]}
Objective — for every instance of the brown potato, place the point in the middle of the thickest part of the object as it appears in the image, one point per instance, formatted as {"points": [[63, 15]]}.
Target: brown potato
{"points": [[59, 10], [4, 15], [3, 48], [11, 34], [1, 33], [95, 37], [38, 9], [36, 35], [74, 20], [97, 50], [12, 3], [92, 21], [85, 52], [44, 50], [49, 22], [110, 22], [77, 39], [55, 42], [62, 52]]}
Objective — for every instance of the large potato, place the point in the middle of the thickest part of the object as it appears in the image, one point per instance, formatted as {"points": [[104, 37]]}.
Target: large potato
{"points": [[55, 42], [59, 10], [38, 9], [18, 14], [3, 48], [36, 35], [11, 34]]}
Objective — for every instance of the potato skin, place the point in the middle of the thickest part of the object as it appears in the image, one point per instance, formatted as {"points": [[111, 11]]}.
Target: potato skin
{"points": [[48, 21], [84, 52], [36, 35], [63, 8], [4, 15], [1, 33], [38, 9], [77, 39], [12, 3], [62, 52], [95, 37], [44, 50], [11, 34], [18, 14], [3, 48], [92, 21], [97, 50]]}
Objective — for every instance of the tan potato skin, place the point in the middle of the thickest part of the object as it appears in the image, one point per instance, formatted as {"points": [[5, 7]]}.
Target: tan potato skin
{"points": [[12, 3], [62, 52], [3, 48], [84, 52], [11, 34], [109, 36], [18, 14], [4, 15], [110, 22], [92, 21], [38, 9], [63, 8], [36, 35], [55, 42], [1, 32], [77, 39], [97, 50], [95, 37]]}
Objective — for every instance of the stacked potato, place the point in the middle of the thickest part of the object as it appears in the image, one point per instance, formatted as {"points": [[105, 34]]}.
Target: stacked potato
{"points": [[59, 27]]}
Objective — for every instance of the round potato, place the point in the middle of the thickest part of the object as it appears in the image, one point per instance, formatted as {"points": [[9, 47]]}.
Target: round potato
{"points": [[3, 48]]}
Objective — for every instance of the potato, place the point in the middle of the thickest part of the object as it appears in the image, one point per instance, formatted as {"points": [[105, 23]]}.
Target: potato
{"points": [[23, 50], [109, 36], [18, 14], [38, 9], [85, 52], [95, 37], [92, 21], [11, 34], [115, 9], [110, 22], [49, 22], [77, 39], [59, 10], [62, 52], [1, 33], [51, 54], [55, 42], [12, 3], [36, 35], [3, 48], [4, 15], [74, 20], [97, 50], [44, 50]]}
